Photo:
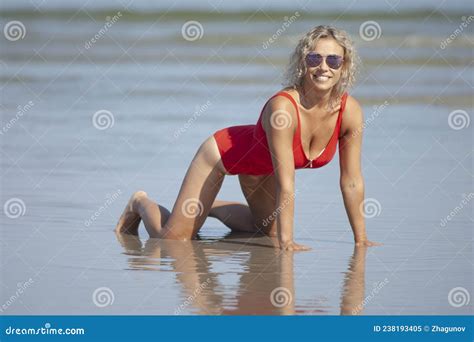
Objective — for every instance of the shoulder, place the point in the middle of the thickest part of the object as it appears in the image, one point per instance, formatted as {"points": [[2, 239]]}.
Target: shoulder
{"points": [[352, 116], [280, 112], [352, 106]]}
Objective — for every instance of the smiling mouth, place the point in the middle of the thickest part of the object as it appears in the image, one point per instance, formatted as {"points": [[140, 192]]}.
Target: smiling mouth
{"points": [[321, 78]]}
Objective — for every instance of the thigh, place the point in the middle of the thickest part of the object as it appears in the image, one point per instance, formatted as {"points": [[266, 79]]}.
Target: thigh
{"points": [[259, 191], [198, 191]]}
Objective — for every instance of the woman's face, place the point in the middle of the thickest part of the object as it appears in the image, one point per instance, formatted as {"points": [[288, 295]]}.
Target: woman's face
{"points": [[322, 77]]}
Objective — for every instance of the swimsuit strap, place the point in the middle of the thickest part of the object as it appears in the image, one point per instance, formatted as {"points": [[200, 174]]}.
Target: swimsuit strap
{"points": [[289, 97], [341, 110], [343, 101]]}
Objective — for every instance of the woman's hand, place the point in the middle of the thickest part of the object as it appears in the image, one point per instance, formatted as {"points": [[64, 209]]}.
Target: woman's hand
{"points": [[367, 243], [293, 246]]}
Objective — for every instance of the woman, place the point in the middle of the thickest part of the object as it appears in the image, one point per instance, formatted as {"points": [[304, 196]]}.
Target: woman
{"points": [[299, 127]]}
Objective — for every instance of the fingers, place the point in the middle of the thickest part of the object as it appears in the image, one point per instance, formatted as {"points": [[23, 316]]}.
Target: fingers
{"points": [[304, 248], [295, 247], [368, 243]]}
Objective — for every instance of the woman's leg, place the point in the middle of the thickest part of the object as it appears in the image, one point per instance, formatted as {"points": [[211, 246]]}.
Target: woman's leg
{"points": [[260, 193], [234, 215], [130, 219], [198, 191], [257, 216]]}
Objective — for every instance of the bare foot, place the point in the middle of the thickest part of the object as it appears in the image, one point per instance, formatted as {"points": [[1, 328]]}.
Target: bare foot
{"points": [[130, 220]]}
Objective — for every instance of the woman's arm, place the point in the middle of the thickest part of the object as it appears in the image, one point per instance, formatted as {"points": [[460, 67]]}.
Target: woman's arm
{"points": [[351, 180], [352, 302], [279, 122]]}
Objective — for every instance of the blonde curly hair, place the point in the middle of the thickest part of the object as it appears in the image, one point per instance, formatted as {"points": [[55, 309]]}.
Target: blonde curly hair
{"points": [[296, 69]]}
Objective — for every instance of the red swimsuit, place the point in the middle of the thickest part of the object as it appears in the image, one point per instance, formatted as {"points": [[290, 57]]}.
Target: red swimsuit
{"points": [[244, 149]]}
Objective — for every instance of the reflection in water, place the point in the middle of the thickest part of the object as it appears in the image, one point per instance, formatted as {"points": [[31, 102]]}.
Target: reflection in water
{"points": [[265, 284], [354, 284]]}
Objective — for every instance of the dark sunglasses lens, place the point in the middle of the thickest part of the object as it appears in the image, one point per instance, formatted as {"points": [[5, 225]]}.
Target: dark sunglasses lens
{"points": [[313, 59], [334, 62]]}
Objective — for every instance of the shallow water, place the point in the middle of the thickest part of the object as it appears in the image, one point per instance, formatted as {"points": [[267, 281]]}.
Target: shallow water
{"points": [[74, 180]]}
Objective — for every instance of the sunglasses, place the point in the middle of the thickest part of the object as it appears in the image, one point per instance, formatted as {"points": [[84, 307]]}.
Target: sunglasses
{"points": [[314, 59]]}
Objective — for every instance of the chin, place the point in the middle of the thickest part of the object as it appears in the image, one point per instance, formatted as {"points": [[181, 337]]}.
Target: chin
{"points": [[322, 86]]}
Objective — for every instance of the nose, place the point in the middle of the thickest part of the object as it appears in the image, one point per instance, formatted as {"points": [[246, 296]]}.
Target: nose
{"points": [[323, 65]]}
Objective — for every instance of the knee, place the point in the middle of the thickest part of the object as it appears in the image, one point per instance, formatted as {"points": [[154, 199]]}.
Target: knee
{"points": [[137, 198]]}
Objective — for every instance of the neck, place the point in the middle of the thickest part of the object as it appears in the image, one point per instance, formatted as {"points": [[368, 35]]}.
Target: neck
{"points": [[311, 97]]}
